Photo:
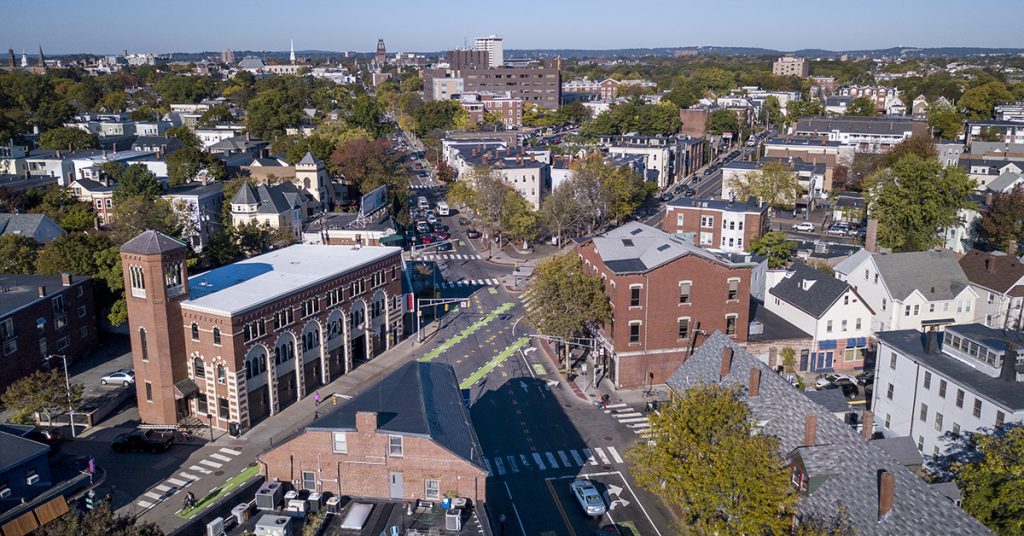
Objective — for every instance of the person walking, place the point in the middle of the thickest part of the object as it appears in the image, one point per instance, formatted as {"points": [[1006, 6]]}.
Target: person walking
{"points": [[316, 398]]}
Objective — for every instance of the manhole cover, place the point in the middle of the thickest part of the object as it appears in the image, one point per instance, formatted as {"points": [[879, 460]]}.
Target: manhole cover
{"points": [[607, 438], [218, 473]]}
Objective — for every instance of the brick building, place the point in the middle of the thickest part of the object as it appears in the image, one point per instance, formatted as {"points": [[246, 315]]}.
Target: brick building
{"points": [[408, 437], [541, 86], [717, 223], [666, 294], [43, 315], [239, 343], [504, 105]]}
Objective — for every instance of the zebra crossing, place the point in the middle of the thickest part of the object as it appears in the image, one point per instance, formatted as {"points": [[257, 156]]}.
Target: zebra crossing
{"points": [[169, 486], [554, 460], [470, 283], [633, 419], [422, 186], [449, 257]]}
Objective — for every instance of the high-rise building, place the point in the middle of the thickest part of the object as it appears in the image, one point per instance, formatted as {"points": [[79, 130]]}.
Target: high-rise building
{"points": [[382, 52], [791, 66], [495, 48], [11, 62], [227, 56]]}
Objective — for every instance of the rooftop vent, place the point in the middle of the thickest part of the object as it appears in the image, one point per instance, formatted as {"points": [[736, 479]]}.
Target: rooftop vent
{"points": [[635, 232], [663, 247], [627, 242]]}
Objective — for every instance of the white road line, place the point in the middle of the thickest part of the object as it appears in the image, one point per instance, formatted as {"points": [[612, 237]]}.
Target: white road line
{"points": [[215, 465], [590, 457], [525, 460], [633, 420], [628, 415], [499, 465], [639, 425], [231, 451], [220, 457], [177, 481], [152, 495], [162, 488], [601, 454], [576, 457], [512, 464], [144, 504], [565, 459], [188, 476], [551, 460], [614, 454], [203, 470], [613, 406], [540, 462]]}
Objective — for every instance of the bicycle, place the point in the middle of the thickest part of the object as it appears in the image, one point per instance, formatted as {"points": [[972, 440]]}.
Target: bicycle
{"points": [[651, 393]]}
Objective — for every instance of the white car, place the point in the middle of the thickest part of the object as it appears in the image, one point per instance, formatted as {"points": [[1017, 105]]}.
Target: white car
{"points": [[588, 497], [124, 377], [804, 226], [832, 378]]}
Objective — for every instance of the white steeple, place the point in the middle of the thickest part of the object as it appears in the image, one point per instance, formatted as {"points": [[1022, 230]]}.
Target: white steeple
{"points": [[292, 56], [24, 59]]}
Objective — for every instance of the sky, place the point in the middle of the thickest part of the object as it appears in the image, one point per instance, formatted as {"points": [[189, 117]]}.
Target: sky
{"points": [[106, 26]]}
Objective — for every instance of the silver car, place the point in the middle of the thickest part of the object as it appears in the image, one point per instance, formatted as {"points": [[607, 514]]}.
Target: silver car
{"points": [[123, 377], [588, 497]]}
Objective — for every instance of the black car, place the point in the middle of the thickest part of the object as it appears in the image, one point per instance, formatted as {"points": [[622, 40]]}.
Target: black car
{"points": [[143, 441], [473, 233], [666, 196], [463, 221], [866, 378], [850, 389], [440, 227], [690, 192]]}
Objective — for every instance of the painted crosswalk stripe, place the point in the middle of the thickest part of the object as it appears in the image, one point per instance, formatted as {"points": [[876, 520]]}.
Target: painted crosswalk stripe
{"points": [[614, 454], [512, 464], [499, 465], [633, 420], [639, 425], [565, 459], [177, 481], [525, 460], [627, 414], [610, 407], [203, 470], [162, 488], [600, 454], [152, 495], [144, 504], [230, 451], [215, 465], [220, 457], [590, 457], [576, 457], [188, 476], [540, 462], [551, 460]]}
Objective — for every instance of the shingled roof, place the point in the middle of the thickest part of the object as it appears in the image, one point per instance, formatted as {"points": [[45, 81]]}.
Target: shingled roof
{"points": [[151, 242], [845, 467], [1001, 273], [809, 290]]}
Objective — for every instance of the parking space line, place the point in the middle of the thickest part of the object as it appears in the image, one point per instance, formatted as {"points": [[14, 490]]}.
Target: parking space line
{"points": [[614, 454]]}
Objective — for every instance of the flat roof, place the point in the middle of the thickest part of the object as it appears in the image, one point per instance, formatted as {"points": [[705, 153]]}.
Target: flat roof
{"points": [[18, 291], [247, 284]]}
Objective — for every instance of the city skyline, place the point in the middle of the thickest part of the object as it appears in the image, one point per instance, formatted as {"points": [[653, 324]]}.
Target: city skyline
{"points": [[337, 28]]}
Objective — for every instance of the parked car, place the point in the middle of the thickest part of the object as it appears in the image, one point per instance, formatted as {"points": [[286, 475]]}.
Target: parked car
{"points": [[866, 378], [837, 230], [473, 233], [47, 436], [695, 178], [123, 377], [446, 246], [850, 389], [804, 226], [143, 441], [422, 227], [440, 227], [463, 221], [690, 192], [832, 378], [588, 497]]}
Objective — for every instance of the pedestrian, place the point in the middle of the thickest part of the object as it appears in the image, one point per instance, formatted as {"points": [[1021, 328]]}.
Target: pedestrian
{"points": [[316, 398]]}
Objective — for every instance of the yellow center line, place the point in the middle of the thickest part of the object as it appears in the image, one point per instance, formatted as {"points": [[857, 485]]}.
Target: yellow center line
{"points": [[561, 510]]}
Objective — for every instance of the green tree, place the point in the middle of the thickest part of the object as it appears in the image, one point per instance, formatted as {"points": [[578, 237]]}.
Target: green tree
{"points": [[67, 138], [186, 136], [635, 116], [72, 252], [518, 220], [775, 247], [945, 122], [17, 254], [979, 101], [561, 211], [991, 482], [215, 115], [115, 101], [135, 214], [367, 115], [42, 392], [271, 111], [183, 166], [861, 106], [63, 208], [436, 115], [100, 521], [771, 111], [136, 181], [1002, 224], [565, 298], [721, 121], [920, 146], [913, 199], [803, 108], [185, 89], [604, 191], [110, 271], [321, 148], [775, 184], [368, 165]]}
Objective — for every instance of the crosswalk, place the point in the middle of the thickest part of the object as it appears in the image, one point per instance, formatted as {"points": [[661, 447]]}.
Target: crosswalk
{"points": [[471, 283], [168, 487], [525, 298], [448, 257], [422, 186], [633, 419], [552, 460]]}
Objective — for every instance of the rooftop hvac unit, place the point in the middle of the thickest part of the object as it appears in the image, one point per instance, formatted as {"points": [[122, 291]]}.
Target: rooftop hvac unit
{"points": [[241, 513], [215, 527], [315, 502], [453, 520], [296, 508], [272, 525], [269, 496]]}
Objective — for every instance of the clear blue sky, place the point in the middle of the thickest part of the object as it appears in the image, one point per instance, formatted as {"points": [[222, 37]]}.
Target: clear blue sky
{"points": [[65, 26]]}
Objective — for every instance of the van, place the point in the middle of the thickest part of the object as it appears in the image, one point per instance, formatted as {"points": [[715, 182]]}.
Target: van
{"points": [[442, 208], [422, 203]]}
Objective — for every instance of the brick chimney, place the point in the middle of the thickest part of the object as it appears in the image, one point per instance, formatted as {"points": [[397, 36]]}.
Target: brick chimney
{"points": [[868, 425], [810, 430], [886, 493], [990, 265], [726, 361], [65, 279], [871, 237], [754, 386], [773, 357], [42, 291], [366, 421]]}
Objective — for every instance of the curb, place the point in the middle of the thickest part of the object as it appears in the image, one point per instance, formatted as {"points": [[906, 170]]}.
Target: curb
{"points": [[554, 362]]}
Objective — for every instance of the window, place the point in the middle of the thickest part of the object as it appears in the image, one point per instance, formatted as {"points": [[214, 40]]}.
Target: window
{"points": [[842, 325], [202, 404], [216, 336], [81, 311], [254, 330], [959, 398], [634, 332], [923, 414], [931, 307], [920, 442], [309, 480], [684, 328], [137, 280], [706, 238], [938, 422], [892, 361], [634, 295], [309, 307], [432, 489], [867, 274], [977, 407], [942, 388], [956, 428], [730, 325], [884, 301], [889, 392], [221, 374], [734, 289], [225, 411], [906, 311], [927, 380], [853, 354], [707, 221], [284, 317], [59, 305], [199, 367], [991, 298], [684, 291], [679, 219], [143, 346], [42, 346], [1000, 417], [340, 443], [6, 329], [334, 296], [195, 331], [828, 326], [84, 331], [857, 324], [917, 310], [149, 392], [63, 343], [888, 419], [395, 446]]}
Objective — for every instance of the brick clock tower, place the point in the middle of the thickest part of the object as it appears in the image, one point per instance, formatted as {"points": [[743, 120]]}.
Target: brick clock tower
{"points": [[155, 283]]}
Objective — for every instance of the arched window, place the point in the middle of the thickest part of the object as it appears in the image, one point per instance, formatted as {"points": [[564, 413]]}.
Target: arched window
{"points": [[199, 367], [143, 346], [216, 336], [195, 331], [221, 374]]}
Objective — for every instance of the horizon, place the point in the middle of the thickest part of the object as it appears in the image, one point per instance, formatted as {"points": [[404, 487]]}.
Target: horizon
{"points": [[262, 24]]}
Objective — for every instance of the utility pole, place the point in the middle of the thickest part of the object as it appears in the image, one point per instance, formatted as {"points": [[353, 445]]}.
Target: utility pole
{"points": [[67, 384]]}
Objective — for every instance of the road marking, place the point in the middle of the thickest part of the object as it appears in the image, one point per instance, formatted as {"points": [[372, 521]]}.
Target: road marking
{"points": [[526, 462], [177, 482], [188, 476], [540, 462], [493, 363], [561, 510], [631, 414], [576, 457], [162, 488], [590, 457], [499, 465], [514, 509], [203, 470], [633, 420], [551, 460], [220, 457], [615, 454], [144, 504], [466, 333], [153, 495], [600, 453], [231, 451], [215, 465], [565, 459], [512, 464], [613, 406], [639, 425]]}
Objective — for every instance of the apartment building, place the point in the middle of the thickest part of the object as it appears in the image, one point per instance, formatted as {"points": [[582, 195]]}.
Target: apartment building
{"points": [[717, 223], [865, 134], [998, 279], [791, 66]]}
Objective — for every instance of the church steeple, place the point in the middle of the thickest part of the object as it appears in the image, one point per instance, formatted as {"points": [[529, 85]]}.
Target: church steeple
{"points": [[292, 55], [42, 59]]}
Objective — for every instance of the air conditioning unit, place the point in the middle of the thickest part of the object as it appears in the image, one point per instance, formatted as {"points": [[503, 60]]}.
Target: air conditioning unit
{"points": [[5, 493], [32, 480], [215, 527], [269, 496], [241, 513]]}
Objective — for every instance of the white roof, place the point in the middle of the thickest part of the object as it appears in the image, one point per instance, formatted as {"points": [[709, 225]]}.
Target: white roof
{"points": [[244, 285]]}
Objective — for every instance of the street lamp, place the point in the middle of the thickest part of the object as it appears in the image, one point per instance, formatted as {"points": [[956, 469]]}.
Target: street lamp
{"points": [[209, 418], [67, 384]]}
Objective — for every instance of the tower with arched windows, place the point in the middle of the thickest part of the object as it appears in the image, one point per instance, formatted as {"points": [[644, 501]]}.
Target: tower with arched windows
{"points": [[155, 283]]}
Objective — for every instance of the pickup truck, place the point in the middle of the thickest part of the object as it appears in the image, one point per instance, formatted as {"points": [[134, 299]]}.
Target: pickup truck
{"points": [[143, 441]]}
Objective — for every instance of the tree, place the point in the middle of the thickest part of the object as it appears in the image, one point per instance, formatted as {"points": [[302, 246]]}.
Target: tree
{"points": [[67, 138], [185, 89], [111, 272], [136, 181], [708, 461], [913, 199], [604, 191], [775, 184], [42, 392], [920, 146], [560, 211], [803, 108], [721, 121], [771, 111], [271, 111], [114, 101], [518, 220], [72, 252], [775, 247], [436, 115], [945, 122], [565, 298], [991, 482], [979, 101], [215, 115], [367, 115], [861, 106], [135, 214], [1002, 225], [100, 521], [637, 116], [186, 136], [445, 172], [17, 254], [61, 206], [183, 166], [368, 165]]}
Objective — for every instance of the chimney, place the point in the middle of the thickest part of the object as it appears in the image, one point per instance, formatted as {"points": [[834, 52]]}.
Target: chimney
{"points": [[754, 387], [871, 238], [990, 265], [366, 421], [1008, 372], [42, 291], [65, 279], [868, 425], [886, 493], [931, 343], [810, 430], [726, 361]]}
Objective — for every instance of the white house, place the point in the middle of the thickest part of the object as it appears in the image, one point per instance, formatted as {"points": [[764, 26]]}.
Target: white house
{"points": [[960, 381], [923, 290]]}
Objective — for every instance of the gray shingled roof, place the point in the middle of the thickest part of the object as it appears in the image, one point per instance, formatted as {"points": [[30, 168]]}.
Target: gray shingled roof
{"points": [[848, 466], [38, 227], [418, 399], [637, 248], [309, 160], [1004, 182], [824, 290], [151, 242], [936, 274]]}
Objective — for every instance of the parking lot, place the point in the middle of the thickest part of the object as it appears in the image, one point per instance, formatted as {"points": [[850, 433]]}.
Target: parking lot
{"points": [[622, 502]]}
